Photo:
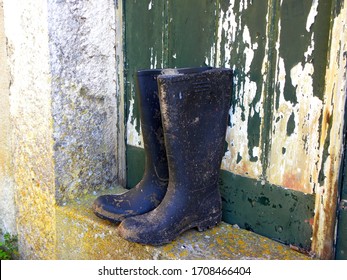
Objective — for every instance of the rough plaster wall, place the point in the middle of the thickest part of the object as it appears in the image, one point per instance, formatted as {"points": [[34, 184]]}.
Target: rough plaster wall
{"points": [[7, 207], [62, 106], [82, 42], [31, 116]]}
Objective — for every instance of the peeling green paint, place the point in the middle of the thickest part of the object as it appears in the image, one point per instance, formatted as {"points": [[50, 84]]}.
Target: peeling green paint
{"points": [[144, 50], [241, 44], [135, 165], [262, 208], [267, 208], [279, 52], [191, 32], [291, 125], [293, 31], [321, 29], [341, 246], [338, 7]]}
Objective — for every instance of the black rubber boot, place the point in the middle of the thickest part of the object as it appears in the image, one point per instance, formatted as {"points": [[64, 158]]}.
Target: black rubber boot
{"points": [[149, 192], [194, 111]]}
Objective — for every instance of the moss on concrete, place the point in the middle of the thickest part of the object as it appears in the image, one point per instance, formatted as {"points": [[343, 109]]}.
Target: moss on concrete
{"points": [[81, 235]]}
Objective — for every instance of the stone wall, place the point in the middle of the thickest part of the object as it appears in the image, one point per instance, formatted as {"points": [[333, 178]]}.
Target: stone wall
{"points": [[84, 104], [7, 208], [59, 112]]}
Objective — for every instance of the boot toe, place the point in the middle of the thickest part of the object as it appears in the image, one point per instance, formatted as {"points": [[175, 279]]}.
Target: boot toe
{"points": [[130, 229], [105, 207], [136, 229]]}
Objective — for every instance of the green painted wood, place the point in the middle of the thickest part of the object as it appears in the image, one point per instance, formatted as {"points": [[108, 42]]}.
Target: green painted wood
{"points": [[145, 48], [341, 236], [321, 30], [135, 165], [341, 245], [233, 53], [293, 16], [191, 32], [181, 33], [145, 43], [269, 210]]}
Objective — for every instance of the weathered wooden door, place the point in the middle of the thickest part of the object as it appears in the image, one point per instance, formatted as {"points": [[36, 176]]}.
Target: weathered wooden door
{"points": [[341, 240], [276, 144]]}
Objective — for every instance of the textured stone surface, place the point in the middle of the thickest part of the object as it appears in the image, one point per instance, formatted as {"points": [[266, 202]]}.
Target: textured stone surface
{"points": [[7, 208], [81, 235], [63, 110], [30, 99], [84, 104]]}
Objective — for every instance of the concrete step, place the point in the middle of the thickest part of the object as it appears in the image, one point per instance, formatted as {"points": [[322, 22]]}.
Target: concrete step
{"points": [[81, 235]]}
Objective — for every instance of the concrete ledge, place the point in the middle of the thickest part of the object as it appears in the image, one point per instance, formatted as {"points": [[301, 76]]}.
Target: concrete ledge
{"points": [[81, 235]]}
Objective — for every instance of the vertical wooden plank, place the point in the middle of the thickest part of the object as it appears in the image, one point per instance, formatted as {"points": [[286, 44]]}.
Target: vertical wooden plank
{"points": [[332, 134], [242, 44], [266, 209], [341, 235], [144, 48], [298, 100], [249, 37], [191, 33]]}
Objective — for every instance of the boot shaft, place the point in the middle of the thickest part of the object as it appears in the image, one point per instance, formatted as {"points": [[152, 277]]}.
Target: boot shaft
{"points": [[151, 125], [150, 115], [194, 110]]}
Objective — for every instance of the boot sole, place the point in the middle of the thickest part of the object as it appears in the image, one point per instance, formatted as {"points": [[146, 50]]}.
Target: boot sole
{"points": [[105, 216], [201, 226]]}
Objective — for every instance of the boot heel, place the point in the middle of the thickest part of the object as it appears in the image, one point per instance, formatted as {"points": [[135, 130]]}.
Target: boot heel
{"points": [[210, 222]]}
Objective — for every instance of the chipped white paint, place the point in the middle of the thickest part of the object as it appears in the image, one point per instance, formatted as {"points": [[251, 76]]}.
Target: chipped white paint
{"points": [[310, 49], [249, 52], [237, 134], [153, 59], [312, 15], [211, 59], [134, 137], [332, 128], [243, 5], [286, 167], [227, 26], [237, 157]]}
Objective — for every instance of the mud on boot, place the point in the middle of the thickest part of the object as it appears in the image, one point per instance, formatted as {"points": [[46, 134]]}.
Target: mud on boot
{"points": [[194, 110], [150, 191]]}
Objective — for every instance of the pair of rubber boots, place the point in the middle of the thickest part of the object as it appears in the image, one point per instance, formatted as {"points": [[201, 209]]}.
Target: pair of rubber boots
{"points": [[184, 114]]}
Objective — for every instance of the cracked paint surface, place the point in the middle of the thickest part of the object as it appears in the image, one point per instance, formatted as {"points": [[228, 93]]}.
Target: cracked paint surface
{"points": [[280, 129], [295, 125], [332, 135], [241, 46]]}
